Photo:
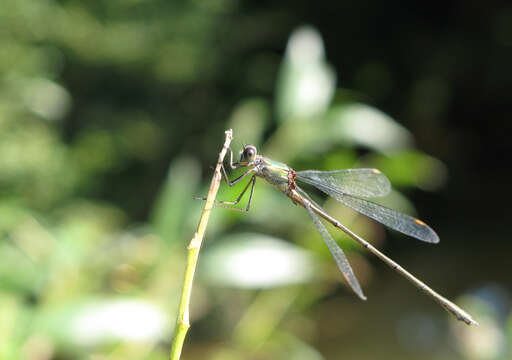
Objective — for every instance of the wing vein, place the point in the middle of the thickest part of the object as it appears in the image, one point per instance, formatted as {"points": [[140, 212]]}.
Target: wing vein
{"points": [[358, 182]]}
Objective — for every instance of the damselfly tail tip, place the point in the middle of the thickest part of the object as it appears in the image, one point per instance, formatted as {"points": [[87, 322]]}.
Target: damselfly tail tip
{"points": [[469, 320], [460, 314]]}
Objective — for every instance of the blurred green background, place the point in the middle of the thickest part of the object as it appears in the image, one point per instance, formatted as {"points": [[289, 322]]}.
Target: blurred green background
{"points": [[112, 114]]}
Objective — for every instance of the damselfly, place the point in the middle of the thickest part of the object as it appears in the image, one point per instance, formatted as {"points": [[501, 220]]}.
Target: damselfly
{"points": [[349, 187]]}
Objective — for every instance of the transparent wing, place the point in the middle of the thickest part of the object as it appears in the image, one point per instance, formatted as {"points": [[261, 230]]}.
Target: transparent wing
{"points": [[337, 253], [395, 220], [358, 182]]}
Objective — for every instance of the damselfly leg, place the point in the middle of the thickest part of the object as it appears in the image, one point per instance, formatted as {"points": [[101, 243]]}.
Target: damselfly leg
{"points": [[251, 183]]}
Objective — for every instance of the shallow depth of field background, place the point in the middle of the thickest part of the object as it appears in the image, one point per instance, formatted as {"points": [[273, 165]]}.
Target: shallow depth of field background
{"points": [[112, 114]]}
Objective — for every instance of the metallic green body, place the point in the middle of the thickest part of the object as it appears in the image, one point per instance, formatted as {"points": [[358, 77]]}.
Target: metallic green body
{"points": [[273, 172]]}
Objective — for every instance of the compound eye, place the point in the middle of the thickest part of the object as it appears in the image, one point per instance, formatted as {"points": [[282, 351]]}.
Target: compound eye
{"points": [[250, 152]]}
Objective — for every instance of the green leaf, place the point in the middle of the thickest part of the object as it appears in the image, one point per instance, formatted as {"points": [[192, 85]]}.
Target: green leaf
{"points": [[249, 260], [179, 190]]}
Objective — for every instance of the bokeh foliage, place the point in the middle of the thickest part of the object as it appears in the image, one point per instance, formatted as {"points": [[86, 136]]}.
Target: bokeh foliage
{"points": [[111, 113]]}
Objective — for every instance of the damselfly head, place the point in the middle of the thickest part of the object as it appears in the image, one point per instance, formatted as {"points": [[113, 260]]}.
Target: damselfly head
{"points": [[248, 154]]}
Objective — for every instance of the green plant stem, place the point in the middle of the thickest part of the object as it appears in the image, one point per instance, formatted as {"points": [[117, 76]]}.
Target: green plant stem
{"points": [[183, 322]]}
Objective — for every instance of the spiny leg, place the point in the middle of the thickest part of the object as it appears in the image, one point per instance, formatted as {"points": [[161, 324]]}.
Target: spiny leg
{"points": [[231, 165], [234, 166], [234, 182], [231, 183], [253, 182], [241, 194]]}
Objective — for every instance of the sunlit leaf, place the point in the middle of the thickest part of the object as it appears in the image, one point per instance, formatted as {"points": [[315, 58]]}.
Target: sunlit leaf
{"points": [[306, 82], [46, 98], [360, 124], [103, 321], [255, 261]]}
